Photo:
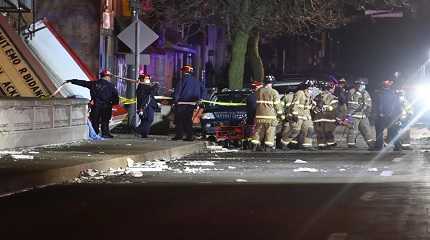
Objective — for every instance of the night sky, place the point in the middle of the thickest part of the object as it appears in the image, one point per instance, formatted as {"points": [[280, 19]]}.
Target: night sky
{"points": [[377, 49]]}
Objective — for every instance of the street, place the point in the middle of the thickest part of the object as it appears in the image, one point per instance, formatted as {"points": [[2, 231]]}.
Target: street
{"points": [[224, 194]]}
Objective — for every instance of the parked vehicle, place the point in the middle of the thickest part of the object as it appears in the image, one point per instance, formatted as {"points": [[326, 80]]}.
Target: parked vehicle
{"points": [[224, 117]]}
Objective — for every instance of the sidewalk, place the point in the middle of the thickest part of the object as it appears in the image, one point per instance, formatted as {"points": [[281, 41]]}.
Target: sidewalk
{"points": [[28, 168]]}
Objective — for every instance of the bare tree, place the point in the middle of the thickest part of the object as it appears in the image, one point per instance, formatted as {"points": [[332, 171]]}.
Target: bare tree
{"points": [[245, 20]]}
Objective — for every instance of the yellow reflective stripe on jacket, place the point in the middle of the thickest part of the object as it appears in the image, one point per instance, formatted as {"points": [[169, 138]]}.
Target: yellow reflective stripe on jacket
{"points": [[266, 102], [325, 120], [265, 117]]}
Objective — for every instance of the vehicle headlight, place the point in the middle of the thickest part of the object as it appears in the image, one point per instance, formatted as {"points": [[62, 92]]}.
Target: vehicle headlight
{"points": [[208, 116]]}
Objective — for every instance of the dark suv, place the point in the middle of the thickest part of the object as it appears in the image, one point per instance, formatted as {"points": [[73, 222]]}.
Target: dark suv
{"points": [[224, 115]]}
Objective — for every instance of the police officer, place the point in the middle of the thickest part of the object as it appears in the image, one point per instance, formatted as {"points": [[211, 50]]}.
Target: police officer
{"points": [[286, 102], [266, 117], [405, 119], [388, 116], [325, 116], [146, 103], [188, 92], [341, 92], [251, 108], [359, 107], [301, 119], [103, 96]]}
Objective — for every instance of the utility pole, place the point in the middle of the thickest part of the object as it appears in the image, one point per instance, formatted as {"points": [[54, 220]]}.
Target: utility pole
{"points": [[131, 87]]}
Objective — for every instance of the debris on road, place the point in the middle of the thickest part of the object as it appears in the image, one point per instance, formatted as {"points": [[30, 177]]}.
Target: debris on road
{"points": [[195, 170], [89, 173], [300, 161], [22, 157], [136, 174], [199, 163], [386, 173], [220, 149], [130, 162], [241, 180], [311, 170]]}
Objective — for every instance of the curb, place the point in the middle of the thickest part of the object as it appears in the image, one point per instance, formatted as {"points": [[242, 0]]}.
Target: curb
{"points": [[30, 181]]}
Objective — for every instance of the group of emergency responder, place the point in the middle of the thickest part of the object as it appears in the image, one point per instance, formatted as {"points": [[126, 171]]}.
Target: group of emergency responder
{"points": [[319, 107], [314, 107], [104, 96]]}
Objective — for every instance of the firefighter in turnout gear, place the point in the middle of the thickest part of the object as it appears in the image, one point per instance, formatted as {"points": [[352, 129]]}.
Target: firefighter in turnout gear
{"points": [[266, 117], [325, 116], [301, 120], [286, 102], [405, 119], [359, 107]]}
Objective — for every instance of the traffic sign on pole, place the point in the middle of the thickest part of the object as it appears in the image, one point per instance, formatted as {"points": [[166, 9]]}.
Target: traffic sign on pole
{"points": [[146, 36]]}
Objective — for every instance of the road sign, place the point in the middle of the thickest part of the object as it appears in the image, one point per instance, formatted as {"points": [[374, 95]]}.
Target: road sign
{"points": [[146, 36]]}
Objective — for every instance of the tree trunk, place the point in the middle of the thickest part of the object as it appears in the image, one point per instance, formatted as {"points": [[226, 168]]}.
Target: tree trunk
{"points": [[254, 58], [237, 64]]}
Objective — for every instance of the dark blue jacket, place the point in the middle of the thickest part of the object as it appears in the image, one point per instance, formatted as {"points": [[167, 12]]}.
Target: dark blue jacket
{"points": [[251, 108], [103, 92], [189, 90], [388, 104], [145, 97]]}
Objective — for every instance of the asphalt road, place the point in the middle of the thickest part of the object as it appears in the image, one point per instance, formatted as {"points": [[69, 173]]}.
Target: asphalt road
{"points": [[237, 196], [335, 166]]}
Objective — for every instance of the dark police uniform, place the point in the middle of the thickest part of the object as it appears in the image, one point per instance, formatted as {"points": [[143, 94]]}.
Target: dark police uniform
{"points": [[146, 107], [103, 96], [187, 93], [388, 114]]}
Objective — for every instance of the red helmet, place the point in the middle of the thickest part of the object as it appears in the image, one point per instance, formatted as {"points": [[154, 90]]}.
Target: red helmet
{"points": [[388, 83], [256, 84], [187, 69], [105, 73], [143, 76]]}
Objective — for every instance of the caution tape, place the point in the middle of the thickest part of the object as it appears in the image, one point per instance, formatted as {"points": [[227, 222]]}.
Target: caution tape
{"points": [[127, 101], [224, 103]]}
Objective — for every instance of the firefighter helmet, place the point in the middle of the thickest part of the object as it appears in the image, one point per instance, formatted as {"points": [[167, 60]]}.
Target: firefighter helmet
{"points": [[388, 83], [146, 78], [105, 72], [187, 69], [269, 79], [255, 85]]}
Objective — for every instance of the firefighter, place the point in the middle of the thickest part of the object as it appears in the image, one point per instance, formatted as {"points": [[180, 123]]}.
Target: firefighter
{"points": [[188, 93], [286, 102], [324, 113], [266, 118], [405, 119], [103, 96], [359, 108], [251, 108], [301, 120], [388, 116], [146, 103]]}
